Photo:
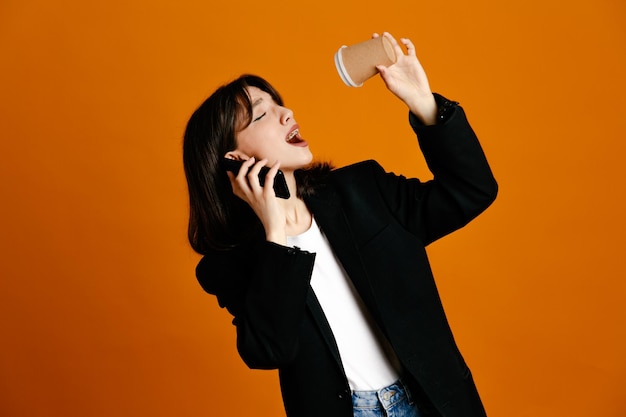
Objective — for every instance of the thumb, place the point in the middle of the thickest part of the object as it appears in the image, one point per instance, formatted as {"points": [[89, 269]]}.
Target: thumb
{"points": [[383, 72]]}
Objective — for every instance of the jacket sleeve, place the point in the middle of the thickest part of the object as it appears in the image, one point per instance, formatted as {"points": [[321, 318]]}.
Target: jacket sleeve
{"points": [[462, 186], [264, 287]]}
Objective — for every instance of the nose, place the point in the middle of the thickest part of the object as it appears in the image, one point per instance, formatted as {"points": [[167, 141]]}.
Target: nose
{"points": [[286, 115]]}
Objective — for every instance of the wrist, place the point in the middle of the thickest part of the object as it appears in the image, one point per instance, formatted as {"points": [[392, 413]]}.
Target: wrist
{"points": [[445, 107], [425, 109], [279, 238], [443, 110]]}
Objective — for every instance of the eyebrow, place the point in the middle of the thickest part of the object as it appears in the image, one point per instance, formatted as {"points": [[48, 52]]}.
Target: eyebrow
{"points": [[257, 102]]}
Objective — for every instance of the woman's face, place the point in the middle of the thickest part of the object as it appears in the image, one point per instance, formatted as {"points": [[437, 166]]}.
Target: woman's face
{"points": [[273, 134]]}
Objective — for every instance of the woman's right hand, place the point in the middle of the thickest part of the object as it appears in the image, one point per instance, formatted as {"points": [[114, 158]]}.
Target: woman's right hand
{"points": [[407, 80], [262, 200]]}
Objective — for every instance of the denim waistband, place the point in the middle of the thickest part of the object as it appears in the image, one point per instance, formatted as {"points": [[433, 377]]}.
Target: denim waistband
{"points": [[386, 397]]}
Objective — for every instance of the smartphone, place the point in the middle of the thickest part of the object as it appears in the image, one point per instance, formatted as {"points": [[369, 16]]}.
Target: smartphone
{"points": [[280, 185]]}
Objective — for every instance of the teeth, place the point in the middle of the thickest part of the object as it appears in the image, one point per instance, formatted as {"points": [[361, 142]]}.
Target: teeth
{"points": [[293, 134]]}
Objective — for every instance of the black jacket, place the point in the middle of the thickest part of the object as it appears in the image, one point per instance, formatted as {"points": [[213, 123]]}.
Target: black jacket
{"points": [[378, 225]]}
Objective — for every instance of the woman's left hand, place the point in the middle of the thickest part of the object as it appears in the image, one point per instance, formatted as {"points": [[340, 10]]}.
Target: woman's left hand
{"points": [[407, 80]]}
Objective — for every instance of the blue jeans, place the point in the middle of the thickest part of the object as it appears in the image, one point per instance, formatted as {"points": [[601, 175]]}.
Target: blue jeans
{"points": [[392, 401]]}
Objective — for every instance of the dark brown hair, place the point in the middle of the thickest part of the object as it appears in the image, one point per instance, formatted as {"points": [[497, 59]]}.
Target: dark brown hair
{"points": [[217, 218]]}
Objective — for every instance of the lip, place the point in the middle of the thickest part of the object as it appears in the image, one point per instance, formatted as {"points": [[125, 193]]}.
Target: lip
{"points": [[294, 127]]}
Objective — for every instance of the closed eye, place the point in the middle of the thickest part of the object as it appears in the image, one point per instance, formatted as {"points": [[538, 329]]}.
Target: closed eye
{"points": [[259, 118]]}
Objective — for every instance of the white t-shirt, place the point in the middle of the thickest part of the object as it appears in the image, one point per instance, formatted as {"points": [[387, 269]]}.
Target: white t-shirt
{"points": [[368, 359]]}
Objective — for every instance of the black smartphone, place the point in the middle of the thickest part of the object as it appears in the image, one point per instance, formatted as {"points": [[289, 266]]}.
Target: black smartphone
{"points": [[280, 185]]}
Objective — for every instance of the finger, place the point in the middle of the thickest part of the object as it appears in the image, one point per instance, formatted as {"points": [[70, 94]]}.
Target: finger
{"points": [[375, 35], [394, 43], [269, 179], [239, 186], [383, 74], [410, 48], [239, 181], [253, 174], [243, 170]]}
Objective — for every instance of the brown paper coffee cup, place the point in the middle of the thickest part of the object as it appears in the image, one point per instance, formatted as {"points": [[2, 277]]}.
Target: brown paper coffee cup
{"points": [[357, 63]]}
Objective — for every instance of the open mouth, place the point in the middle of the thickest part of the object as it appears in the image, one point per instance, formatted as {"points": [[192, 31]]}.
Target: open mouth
{"points": [[294, 137]]}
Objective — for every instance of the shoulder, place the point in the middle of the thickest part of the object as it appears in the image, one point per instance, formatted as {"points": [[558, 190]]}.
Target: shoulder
{"points": [[347, 177], [358, 181], [357, 171]]}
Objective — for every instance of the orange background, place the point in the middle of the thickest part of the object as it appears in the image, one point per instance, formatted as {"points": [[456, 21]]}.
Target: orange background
{"points": [[100, 313]]}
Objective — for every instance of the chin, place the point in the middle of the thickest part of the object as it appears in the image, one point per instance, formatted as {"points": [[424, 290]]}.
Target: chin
{"points": [[299, 161], [296, 165], [303, 161]]}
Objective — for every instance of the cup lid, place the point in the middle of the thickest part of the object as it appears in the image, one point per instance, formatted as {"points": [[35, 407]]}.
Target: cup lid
{"points": [[341, 69]]}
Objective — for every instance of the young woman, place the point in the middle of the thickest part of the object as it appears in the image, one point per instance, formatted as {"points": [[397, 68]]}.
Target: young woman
{"points": [[332, 286]]}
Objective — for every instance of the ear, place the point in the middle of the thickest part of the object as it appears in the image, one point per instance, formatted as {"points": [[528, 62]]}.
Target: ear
{"points": [[236, 155]]}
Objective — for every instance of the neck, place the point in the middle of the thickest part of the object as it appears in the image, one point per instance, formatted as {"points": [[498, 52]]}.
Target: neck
{"points": [[297, 215], [290, 179]]}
